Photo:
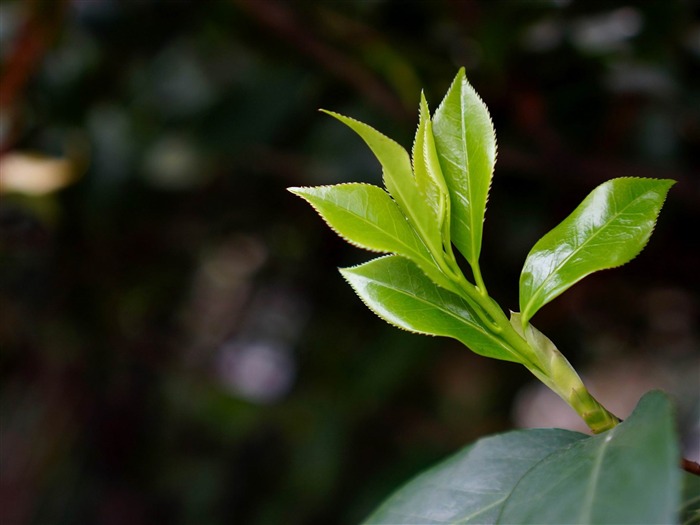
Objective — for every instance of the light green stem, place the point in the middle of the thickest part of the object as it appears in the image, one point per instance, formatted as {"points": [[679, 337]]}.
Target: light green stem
{"points": [[568, 385], [537, 353], [555, 371], [528, 346]]}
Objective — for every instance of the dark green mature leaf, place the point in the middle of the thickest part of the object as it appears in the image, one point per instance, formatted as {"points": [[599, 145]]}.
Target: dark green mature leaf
{"points": [[471, 486], [395, 289], [609, 228], [690, 506], [629, 474], [466, 146], [366, 216], [400, 181]]}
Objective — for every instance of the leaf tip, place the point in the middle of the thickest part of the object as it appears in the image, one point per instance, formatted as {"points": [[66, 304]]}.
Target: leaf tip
{"points": [[299, 191]]}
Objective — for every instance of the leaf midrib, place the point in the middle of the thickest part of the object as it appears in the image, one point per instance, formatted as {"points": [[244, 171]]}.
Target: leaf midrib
{"points": [[589, 497], [470, 187], [400, 240], [444, 310]]}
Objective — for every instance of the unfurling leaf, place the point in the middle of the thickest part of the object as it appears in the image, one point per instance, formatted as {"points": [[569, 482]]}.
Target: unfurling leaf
{"points": [[398, 292], [609, 228], [429, 178], [366, 216], [400, 182], [466, 146]]}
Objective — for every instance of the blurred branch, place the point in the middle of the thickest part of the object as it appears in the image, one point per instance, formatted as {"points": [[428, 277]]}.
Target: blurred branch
{"points": [[282, 21], [690, 466], [38, 32]]}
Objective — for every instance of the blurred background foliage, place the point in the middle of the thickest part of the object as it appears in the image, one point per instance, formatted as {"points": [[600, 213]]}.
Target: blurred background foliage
{"points": [[176, 345]]}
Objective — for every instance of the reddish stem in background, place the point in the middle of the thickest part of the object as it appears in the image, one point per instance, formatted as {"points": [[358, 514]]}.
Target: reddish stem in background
{"points": [[282, 21], [38, 31], [690, 466]]}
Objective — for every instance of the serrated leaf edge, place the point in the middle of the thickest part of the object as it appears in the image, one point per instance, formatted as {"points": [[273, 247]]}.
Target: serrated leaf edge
{"points": [[341, 117], [484, 332], [421, 260], [347, 280], [294, 191], [461, 76], [526, 318]]}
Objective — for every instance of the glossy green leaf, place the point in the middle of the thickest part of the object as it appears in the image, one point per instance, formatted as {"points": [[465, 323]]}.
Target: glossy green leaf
{"points": [[628, 475], [400, 181], [609, 228], [472, 485], [397, 291], [429, 178], [366, 216], [466, 146]]}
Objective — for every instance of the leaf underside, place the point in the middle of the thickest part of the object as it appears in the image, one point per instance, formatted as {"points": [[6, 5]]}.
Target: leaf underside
{"points": [[609, 228], [626, 475]]}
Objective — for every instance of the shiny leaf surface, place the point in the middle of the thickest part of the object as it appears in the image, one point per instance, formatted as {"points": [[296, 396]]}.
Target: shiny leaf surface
{"points": [[609, 228], [397, 291], [400, 181], [466, 146], [426, 167], [366, 216]]}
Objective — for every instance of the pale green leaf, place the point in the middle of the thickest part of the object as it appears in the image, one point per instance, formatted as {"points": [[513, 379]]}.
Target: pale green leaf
{"points": [[400, 181], [366, 216], [629, 474], [466, 146], [426, 167], [395, 289], [471, 486], [609, 228]]}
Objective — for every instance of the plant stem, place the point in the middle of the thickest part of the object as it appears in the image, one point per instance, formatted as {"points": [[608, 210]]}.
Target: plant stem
{"points": [[532, 348], [691, 467], [556, 372]]}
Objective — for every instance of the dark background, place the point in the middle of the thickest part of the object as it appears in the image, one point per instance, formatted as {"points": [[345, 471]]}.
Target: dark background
{"points": [[176, 344]]}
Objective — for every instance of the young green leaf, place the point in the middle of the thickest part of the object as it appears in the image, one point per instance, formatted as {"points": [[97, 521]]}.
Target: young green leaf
{"points": [[366, 216], [397, 291], [609, 228], [400, 181], [426, 167], [466, 146]]}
